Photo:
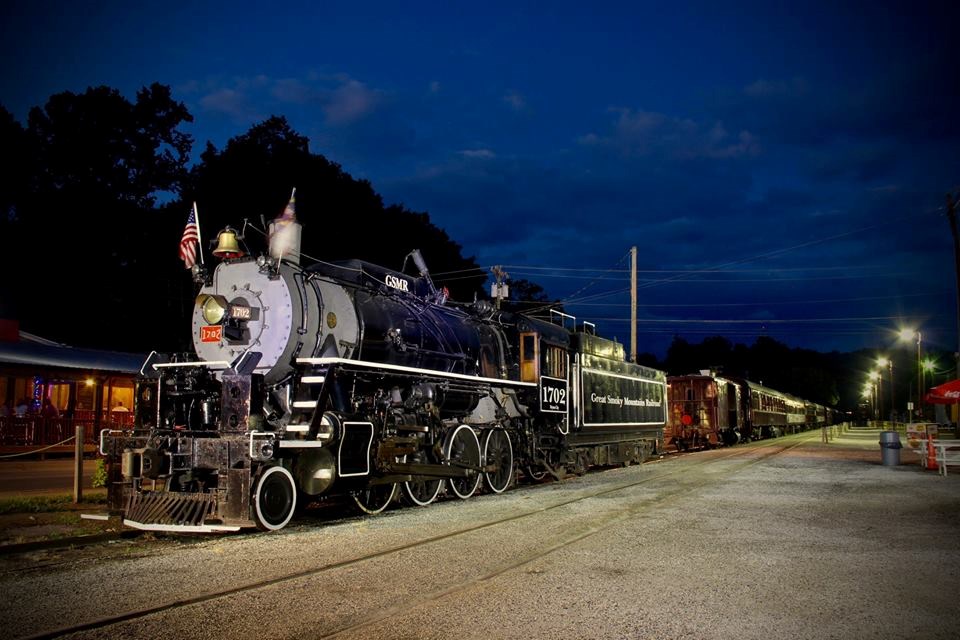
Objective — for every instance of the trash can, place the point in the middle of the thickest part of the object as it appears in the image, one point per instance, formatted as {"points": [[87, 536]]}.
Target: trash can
{"points": [[890, 448]]}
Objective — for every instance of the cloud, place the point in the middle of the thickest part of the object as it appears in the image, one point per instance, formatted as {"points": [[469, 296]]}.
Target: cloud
{"points": [[906, 102], [485, 154], [293, 91], [349, 102], [792, 89], [515, 101], [646, 133], [342, 99], [231, 102]]}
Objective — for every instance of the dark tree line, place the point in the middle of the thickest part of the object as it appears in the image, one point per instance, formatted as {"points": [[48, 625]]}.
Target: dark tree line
{"points": [[834, 379], [96, 190], [801, 372]]}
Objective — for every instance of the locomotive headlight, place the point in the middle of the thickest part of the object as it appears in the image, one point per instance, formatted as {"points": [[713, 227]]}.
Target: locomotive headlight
{"points": [[212, 308]]}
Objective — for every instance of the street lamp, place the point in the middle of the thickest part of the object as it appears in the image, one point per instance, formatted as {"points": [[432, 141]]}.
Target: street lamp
{"points": [[907, 335], [867, 396], [929, 366], [886, 362], [877, 378]]}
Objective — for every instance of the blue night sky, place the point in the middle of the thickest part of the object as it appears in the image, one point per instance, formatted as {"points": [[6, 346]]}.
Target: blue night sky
{"points": [[781, 169]]}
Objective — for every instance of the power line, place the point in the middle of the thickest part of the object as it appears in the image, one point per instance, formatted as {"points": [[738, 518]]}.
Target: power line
{"points": [[757, 321], [707, 270], [730, 280], [775, 252], [756, 304]]}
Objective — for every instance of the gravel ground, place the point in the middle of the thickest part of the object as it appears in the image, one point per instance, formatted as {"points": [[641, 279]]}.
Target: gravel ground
{"points": [[819, 541]]}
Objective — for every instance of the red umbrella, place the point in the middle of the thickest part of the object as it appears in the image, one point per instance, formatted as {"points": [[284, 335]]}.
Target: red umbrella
{"points": [[946, 393]]}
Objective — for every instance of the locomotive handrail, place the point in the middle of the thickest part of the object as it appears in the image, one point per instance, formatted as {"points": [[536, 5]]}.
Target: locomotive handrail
{"points": [[103, 433], [263, 435], [563, 322], [416, 370], [213, 364]]}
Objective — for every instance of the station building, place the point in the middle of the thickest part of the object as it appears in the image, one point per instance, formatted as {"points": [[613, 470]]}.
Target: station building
{"points": [[47, 389]]}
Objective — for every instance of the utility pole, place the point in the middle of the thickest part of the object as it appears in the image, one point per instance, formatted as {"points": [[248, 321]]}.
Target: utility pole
{"points": [[633, 304]]}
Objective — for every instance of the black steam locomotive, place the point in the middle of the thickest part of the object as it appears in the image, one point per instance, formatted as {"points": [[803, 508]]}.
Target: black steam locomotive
{"points": [[351, 379]]}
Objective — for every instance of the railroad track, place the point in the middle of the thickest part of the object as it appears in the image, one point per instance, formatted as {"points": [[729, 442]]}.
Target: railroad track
{"points": [[759, 451]]}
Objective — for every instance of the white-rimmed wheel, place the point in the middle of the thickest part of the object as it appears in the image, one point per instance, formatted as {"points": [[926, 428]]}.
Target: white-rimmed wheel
{"points": [[422, 490], [375, 498], [274, 498], [462, 450], [498, 452]]}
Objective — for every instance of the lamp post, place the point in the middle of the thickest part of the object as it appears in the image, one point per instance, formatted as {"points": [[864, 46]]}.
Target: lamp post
{"points": [[908, 335], [887, 362], [877, 377], [928, 365], [874, 376]]}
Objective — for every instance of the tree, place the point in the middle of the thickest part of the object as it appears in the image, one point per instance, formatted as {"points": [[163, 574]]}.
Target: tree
{"points": [[682, 358], [800, 372], [85, 220], [342, 217], [99, 146], [716, 353], [14, 178]]}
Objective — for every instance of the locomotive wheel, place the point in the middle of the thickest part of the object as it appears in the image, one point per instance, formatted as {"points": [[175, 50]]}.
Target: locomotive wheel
{"points": [[462, 446], [498, 450], [375, 498], [421, 491], [274, 499]]}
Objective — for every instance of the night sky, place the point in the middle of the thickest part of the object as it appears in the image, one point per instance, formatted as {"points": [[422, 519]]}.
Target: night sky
{"points": [[782, 171]]}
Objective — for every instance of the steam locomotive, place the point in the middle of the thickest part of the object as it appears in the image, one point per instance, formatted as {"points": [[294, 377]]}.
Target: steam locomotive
{"points": [[350, 379]]}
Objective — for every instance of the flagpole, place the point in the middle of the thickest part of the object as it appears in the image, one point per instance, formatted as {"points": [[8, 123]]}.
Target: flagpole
{"points": [[196, 216]]}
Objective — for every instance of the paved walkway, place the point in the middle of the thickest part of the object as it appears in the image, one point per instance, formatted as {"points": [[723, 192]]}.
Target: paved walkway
{"points": [[26, 478]]}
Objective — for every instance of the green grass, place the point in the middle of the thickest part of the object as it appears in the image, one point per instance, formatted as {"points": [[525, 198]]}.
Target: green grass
{"points": [[39, 504]]}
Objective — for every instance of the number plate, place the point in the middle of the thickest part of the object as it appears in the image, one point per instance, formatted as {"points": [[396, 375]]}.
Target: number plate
{"points": [[211, 334], [553, 395]]}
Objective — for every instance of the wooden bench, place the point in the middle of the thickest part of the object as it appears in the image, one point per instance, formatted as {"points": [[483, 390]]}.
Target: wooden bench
{"points": [[948, 453]]}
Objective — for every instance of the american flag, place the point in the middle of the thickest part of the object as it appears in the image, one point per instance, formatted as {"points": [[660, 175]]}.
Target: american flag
{"points": [[189, 241]]}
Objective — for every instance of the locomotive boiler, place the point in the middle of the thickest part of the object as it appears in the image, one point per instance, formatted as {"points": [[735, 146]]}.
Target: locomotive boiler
{"points": [[356, 380]]}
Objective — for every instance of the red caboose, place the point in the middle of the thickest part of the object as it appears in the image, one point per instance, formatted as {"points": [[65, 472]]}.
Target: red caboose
{"points": [[704, 411]]}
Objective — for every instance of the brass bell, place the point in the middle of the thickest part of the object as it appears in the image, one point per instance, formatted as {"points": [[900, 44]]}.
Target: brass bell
{"points": [[227, 245]]}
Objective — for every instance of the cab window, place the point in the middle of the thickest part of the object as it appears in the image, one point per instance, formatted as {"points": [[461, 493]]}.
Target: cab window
{"points": [[554, 362], [529, 357]]}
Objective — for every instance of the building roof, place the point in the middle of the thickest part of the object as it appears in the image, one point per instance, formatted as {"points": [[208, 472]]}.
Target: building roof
{"points": [[60, 356]]}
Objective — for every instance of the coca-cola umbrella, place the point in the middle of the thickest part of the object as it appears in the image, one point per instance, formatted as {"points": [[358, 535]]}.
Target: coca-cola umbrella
{"points": [[946, 393]]}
